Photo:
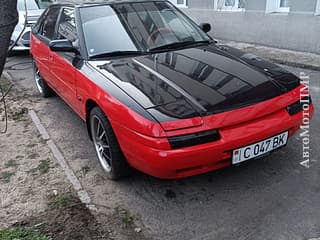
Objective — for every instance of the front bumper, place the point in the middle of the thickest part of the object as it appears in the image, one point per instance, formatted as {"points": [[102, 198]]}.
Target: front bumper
{"points": [[207, 157], [237, 128]]}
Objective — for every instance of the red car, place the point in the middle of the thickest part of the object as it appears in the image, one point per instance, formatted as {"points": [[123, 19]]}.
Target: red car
{"points": [[157, 93]]}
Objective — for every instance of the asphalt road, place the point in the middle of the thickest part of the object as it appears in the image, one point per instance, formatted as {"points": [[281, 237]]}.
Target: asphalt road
{"points": [[270, 198]]}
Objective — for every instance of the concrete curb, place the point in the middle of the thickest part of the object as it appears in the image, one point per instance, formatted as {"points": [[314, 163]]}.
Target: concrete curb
{"points": [[83, 194], [75, 182]]}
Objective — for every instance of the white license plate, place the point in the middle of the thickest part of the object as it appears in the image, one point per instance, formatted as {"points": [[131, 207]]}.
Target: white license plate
{"points": [[257, 149]]}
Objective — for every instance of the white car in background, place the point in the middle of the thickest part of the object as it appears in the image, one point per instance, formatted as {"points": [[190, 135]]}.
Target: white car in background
{"points": [[33, 13]]}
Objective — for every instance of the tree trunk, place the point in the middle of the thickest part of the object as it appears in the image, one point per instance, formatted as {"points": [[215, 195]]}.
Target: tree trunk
{"points": [[8, 20]]}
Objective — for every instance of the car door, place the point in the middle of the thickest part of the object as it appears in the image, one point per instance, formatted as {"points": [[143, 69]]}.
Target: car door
{"points": [[61, 63], [43, 33]]}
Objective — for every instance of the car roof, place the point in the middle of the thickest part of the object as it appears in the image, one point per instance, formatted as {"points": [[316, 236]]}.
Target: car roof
{"points": [[84, 3]]}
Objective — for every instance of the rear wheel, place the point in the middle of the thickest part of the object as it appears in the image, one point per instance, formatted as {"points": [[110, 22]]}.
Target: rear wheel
{"points": [[42, 86], [107, 147]]}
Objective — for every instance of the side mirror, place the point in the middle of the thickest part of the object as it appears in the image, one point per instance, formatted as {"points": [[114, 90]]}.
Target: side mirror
{"points": [[206, 27], [63, 45]]}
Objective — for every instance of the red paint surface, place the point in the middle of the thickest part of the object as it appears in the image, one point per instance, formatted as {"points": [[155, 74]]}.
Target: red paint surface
{"points": [[145, 143]]}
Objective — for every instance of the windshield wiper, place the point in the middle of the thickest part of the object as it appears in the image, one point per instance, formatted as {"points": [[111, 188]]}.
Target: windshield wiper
{"points": [[175, 45], [116, 54]]}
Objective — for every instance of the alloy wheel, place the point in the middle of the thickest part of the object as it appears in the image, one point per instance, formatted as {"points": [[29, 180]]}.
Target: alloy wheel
{"points": [[101, 143], [38, 79]]}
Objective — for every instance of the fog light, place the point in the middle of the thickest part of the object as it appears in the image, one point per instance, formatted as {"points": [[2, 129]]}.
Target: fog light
{"points": [[298, 106], [194, 139]]}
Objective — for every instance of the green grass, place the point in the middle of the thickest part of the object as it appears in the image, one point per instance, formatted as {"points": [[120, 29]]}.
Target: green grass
{"points": [[6, 176], [20, 114], [21, 234], [127, 220], [125, 217], [11, 163], [59, 201], [44, 166]]}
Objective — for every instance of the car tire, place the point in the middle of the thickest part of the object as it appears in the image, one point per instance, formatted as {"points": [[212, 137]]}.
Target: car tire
{"points": [[43, 88], [106, 145]]}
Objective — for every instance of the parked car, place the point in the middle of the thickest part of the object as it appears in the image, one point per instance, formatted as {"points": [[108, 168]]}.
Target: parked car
{"points": [[46, 3], [33, 13], [157, 93]]}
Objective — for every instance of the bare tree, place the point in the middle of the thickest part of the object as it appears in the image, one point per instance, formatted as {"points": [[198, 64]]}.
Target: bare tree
{"points": [[8, 20]]}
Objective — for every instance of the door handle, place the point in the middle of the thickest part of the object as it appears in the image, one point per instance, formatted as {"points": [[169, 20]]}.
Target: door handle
{"points": [[50, 57]]}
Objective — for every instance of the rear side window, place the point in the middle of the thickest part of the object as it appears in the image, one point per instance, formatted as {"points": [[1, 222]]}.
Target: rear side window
{"points": [[38, 26], [49, 23], [67, 25]]}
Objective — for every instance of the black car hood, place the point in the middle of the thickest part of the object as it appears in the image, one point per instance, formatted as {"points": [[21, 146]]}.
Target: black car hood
{"points": [[197, 81]]}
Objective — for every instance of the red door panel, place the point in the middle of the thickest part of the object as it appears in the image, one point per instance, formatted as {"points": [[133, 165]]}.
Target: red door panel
{"points": [[40, 53], [63, 73]]}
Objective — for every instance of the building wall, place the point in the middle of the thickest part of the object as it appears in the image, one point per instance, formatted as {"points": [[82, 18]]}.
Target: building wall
{"points": [[203, 4], [303, 6], [259, 5], [297, 30]]}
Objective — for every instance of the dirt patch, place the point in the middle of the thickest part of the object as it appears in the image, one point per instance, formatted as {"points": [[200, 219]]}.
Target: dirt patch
{"points": [[65, 218], [28, 172], [68, 218], [37, 201]]}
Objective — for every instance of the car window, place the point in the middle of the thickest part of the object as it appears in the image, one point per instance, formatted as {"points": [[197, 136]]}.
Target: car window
{"points": [[100, 27], [49, 24], [39, 24], [31, 5], [136, 26], [67, 25]]}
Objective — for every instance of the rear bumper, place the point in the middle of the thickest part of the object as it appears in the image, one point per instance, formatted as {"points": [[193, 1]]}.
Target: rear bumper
{"points": [[206, 157]]}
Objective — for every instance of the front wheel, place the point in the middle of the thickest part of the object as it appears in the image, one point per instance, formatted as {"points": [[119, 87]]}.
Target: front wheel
{"points": [[107, 147], [42, 86]]}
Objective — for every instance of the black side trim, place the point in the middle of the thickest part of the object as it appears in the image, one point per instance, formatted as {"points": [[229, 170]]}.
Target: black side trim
{"points": [[194, 139], [298, 106]]}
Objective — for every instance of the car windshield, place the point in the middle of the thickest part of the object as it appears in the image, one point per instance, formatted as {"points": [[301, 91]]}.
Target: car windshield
{"points": [[31, 5], [137, 27]]}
